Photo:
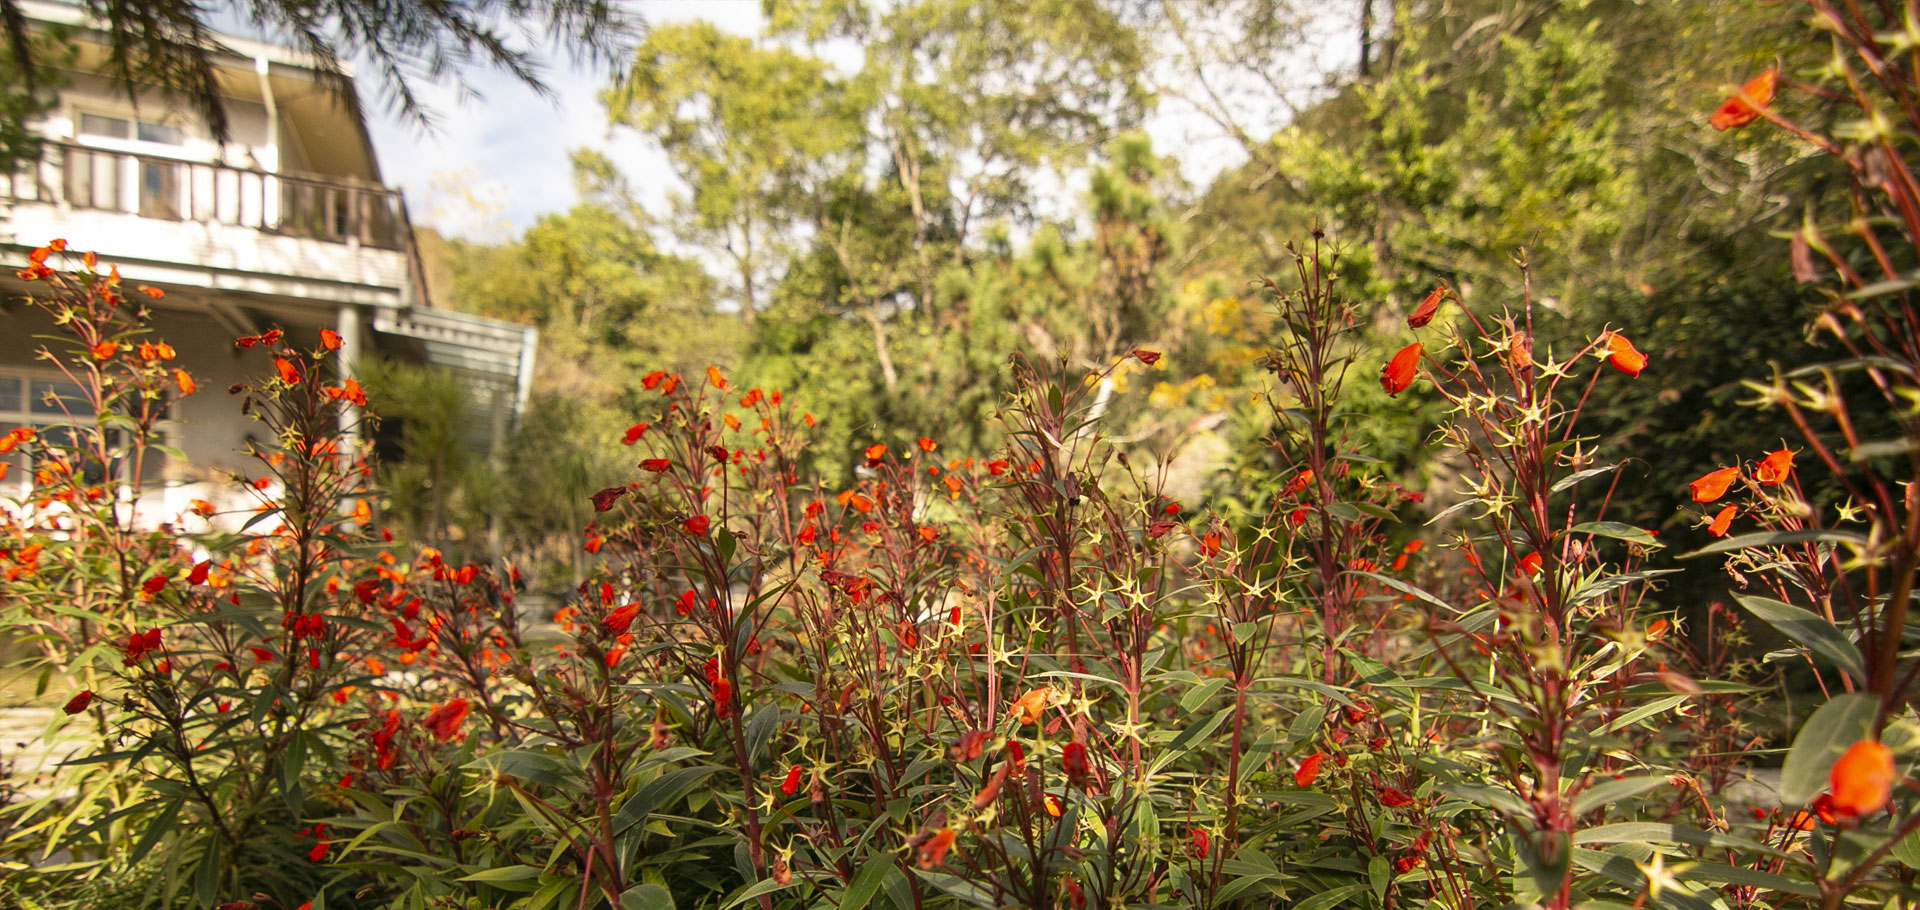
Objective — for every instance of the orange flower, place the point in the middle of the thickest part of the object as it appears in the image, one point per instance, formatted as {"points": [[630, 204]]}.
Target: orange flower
{"points": [[1861, 782], [1030, 706], [933, 852], [349, 389], [1744, 108], [104, 350], [927, 534], [155, 293], [1622, 355], [1308, 770], [1775, 468], [1398, 373], [185, 381], [713, 376], [445, 721], [927, 445], [1722, 520], [1713, 484], [617, 621], [289, 373], [330, 339], [1423, 313], [876, 452]]}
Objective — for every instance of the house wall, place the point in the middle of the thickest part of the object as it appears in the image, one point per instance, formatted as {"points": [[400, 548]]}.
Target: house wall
{"points": [[249, 144]]}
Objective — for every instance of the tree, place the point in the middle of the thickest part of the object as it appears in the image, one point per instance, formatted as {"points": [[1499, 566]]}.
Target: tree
{"points": [[752, 131], [172, 44]]}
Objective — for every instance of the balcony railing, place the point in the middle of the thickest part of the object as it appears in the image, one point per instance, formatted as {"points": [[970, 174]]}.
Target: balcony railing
{"points": [[333, 209]]}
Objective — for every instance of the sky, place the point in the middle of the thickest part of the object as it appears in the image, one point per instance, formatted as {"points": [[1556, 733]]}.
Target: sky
{"points": [[497, 158]]}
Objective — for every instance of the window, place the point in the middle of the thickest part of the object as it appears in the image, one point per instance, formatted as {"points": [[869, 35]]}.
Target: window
{"points": [[127, 182], [49, 403]]}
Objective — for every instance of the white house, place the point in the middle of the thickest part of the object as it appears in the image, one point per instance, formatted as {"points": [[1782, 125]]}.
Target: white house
{"points": [[286, 224]]}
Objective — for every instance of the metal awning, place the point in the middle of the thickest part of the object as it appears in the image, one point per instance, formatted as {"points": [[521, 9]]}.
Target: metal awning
{"points": [[488, 355]]}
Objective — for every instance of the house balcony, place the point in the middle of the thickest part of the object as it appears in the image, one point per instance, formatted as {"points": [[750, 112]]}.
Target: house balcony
{"points": [[222, 227]]}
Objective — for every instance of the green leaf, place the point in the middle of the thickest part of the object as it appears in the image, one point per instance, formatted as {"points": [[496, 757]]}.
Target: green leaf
{"points": [[865, 885], [502, 874], [1404, 588], [1607, 792], [1839, 723], [1198, 695], [1331, 897], [1571, 479], [646, 897], [1809, 630], [766, 886], [1617, 531], [1776, 538]]}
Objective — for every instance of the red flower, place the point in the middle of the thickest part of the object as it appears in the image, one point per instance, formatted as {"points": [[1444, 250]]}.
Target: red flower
{"points": [[154, 585], [876, 452], [933, 852], [1073, 759], [792, 782], [1147, 357], [289, 373], [656, 465], [1398, 373], [997, 467], [1775, 468], [198, 574], [1861, 782], [1299, 482], [319, 852], [1530, 564], [927, 445], [697, 525], [652, 380], [1720, 522], [723, 698], [633, 434], [1713, 484], [271, 336], [1201, 842], [1308, 770], [140, 644], [1744, 108], [445, 721], [616, 622], [1423, 313], [1623, 356], [79, 702], [330, 339]]}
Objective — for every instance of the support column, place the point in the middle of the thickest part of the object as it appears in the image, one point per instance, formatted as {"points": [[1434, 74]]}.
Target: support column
{"points": [[347, 323]]}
